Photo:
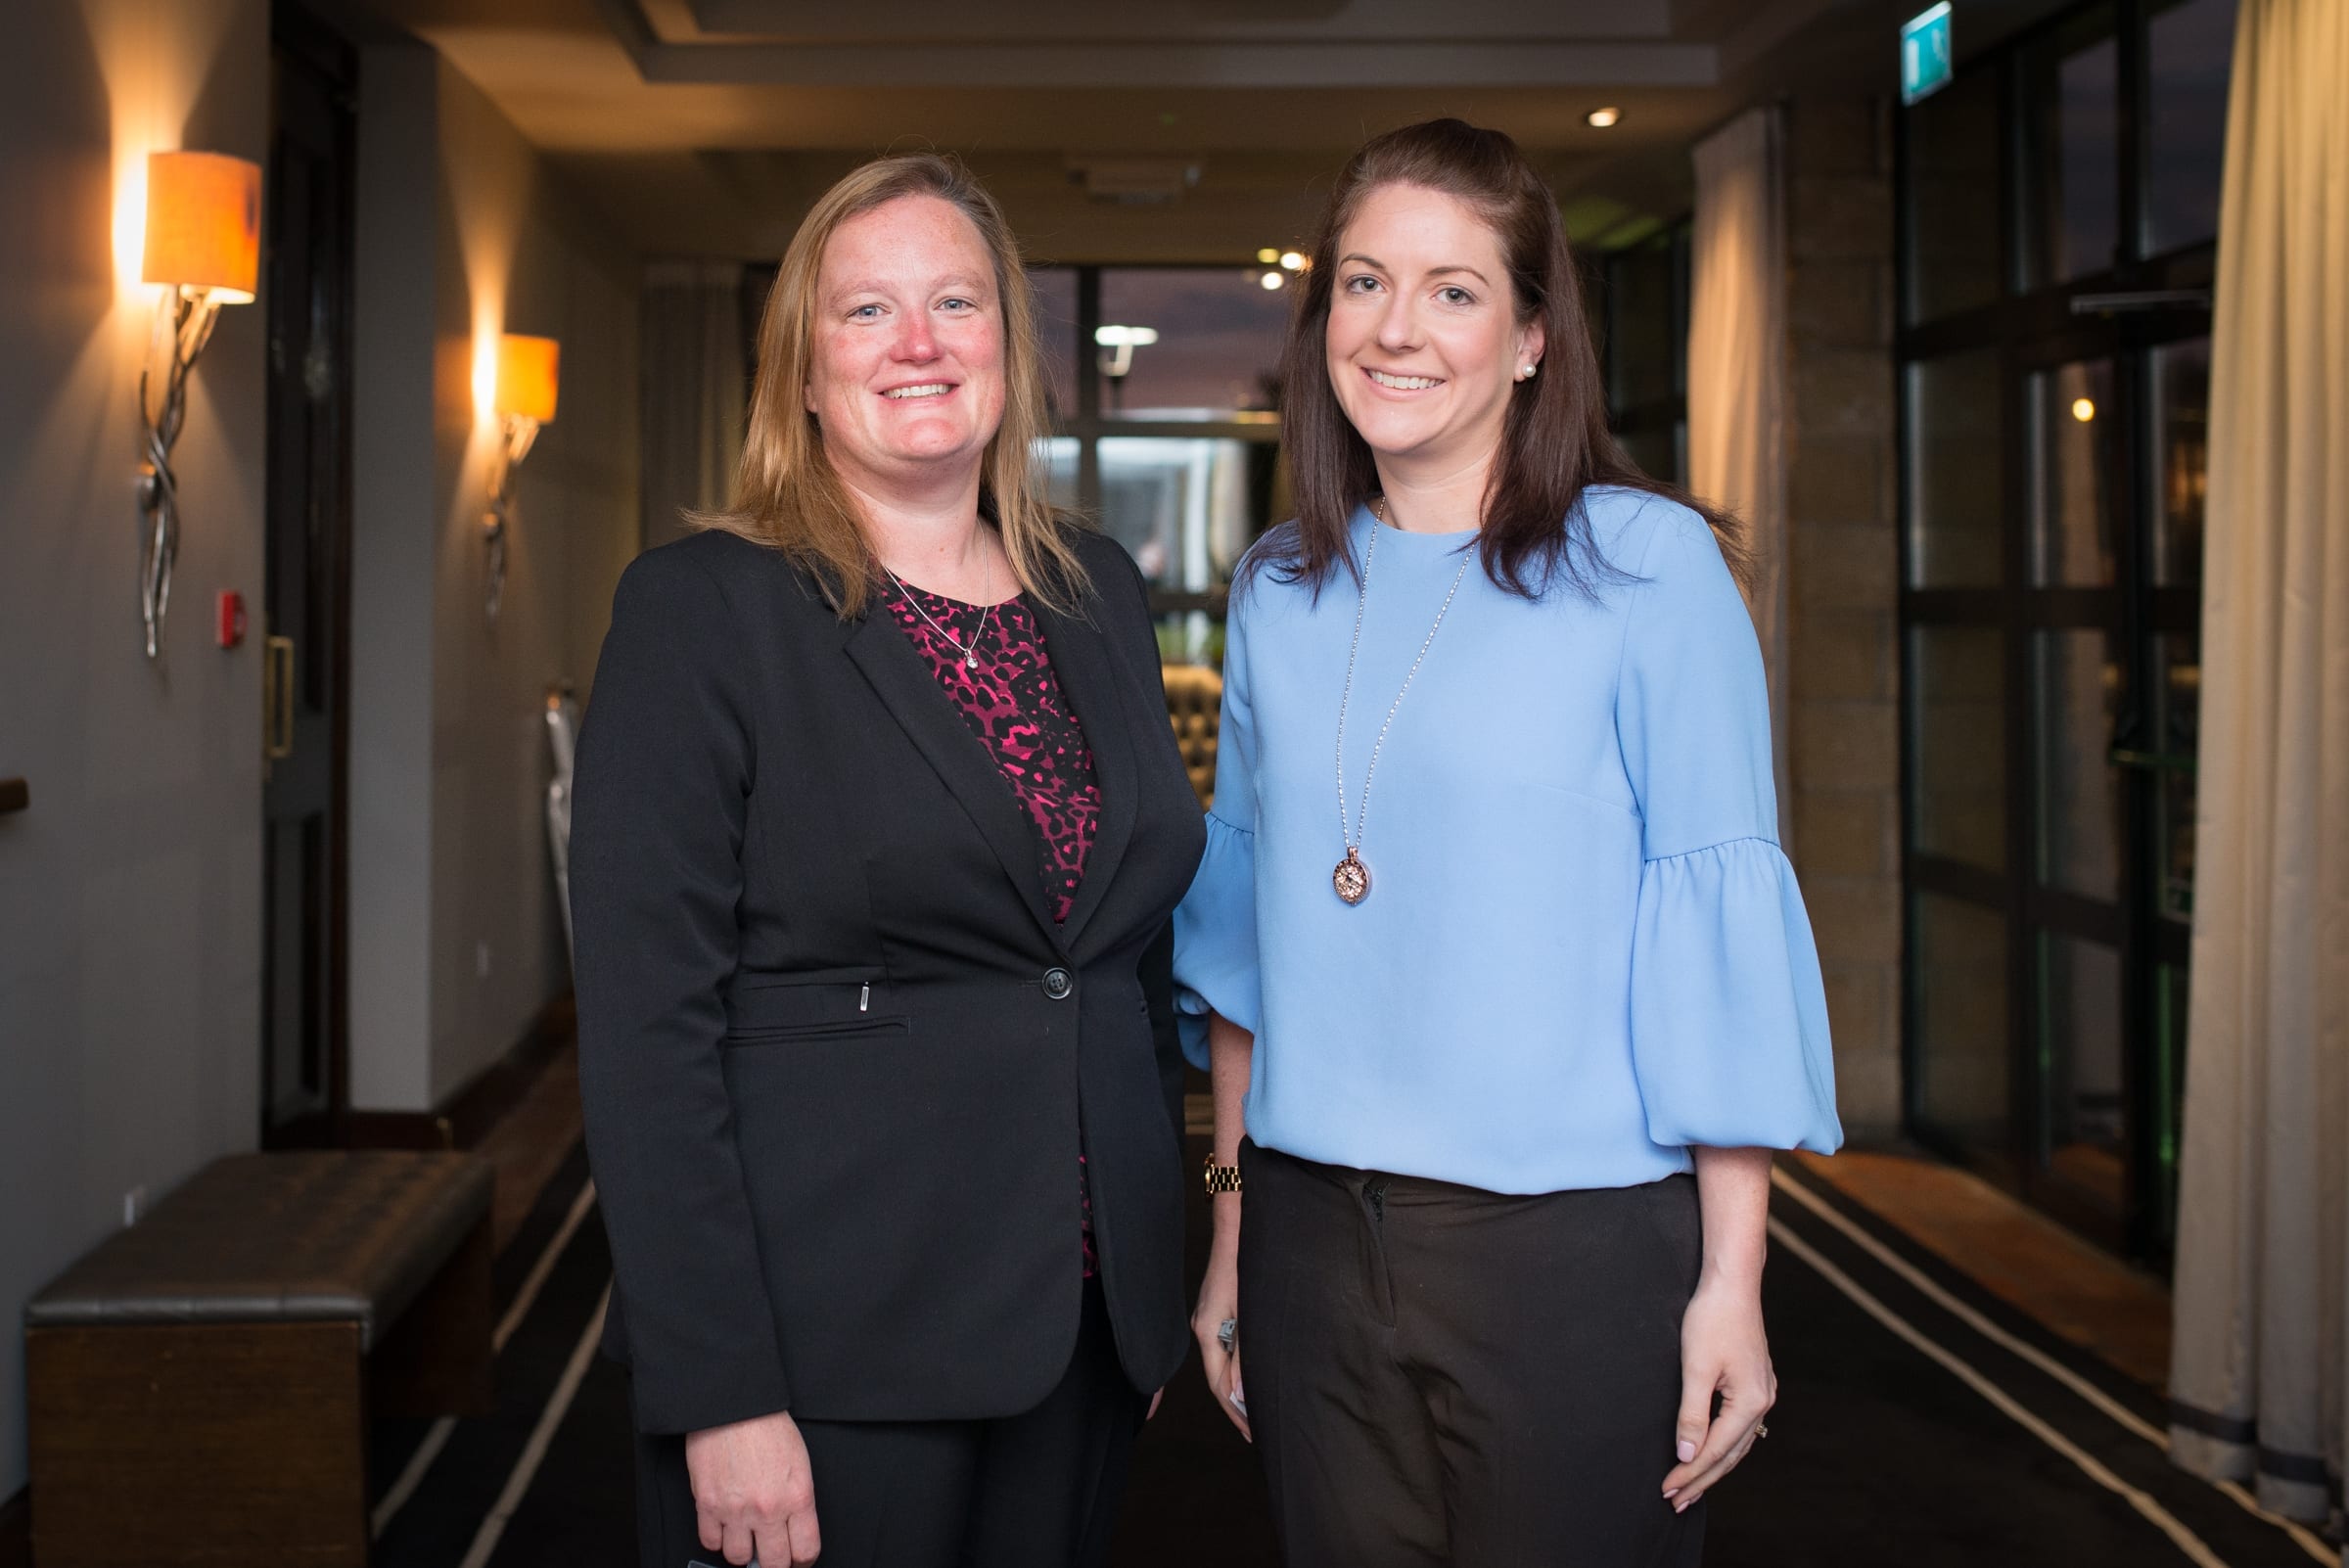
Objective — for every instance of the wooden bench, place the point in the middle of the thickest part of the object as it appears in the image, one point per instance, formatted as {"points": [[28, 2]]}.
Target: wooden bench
{"points": [[199, 1386]]}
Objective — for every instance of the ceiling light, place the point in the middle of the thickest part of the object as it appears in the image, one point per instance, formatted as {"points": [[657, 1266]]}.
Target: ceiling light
{"points": [[1292, 261], [2083, 409], [1603, 117], [1117, 337], [1272, 280], [1269, 254]]}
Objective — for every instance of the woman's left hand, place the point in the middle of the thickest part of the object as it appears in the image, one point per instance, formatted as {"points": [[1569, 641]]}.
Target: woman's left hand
{"points": [[1722, 1350]]}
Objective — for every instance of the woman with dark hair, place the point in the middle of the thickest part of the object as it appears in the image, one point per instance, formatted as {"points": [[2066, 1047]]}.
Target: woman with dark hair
{"points": [[1512, 1015], [879, 826]]}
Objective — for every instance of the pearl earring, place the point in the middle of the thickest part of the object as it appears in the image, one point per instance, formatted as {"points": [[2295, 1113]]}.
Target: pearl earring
{"points": [[1527, 374]]}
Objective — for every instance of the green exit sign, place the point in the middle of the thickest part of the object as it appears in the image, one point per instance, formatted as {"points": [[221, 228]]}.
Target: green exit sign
{"points": [[1926, 60]]}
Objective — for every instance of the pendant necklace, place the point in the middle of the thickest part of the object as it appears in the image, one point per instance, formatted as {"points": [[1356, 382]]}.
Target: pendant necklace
{"points": [[970, 654], [1352, 878]]}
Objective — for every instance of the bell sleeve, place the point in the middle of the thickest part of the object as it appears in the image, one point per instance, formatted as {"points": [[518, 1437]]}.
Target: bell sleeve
{"points": [[1214, 926], [1729, 1013]]}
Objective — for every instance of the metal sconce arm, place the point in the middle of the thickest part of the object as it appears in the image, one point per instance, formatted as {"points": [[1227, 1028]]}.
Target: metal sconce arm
{"points": [[183, 325], [516, 433]]}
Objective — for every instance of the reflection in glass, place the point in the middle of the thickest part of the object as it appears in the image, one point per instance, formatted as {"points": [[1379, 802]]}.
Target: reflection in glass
{"points": [[1953, 185], [2189, 49], [1957, 729], [1955, 471], [1056, 335], [2080, 1015], [1957, 977], [2178, 725], [1054, 460], [1218, 340], [2080, 822], [2075, 102], [2180, 377], [2073, 417]]}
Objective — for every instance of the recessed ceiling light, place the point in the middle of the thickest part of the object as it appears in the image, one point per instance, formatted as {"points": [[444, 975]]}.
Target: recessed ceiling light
{"points": [[1292, 261], [1603, 117], [1269, 254], [1272, 280], [2083, 409]]}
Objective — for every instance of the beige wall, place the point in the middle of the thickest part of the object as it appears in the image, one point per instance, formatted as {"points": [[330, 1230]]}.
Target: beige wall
{"points": [[453, 875], [1842, 586], [130, 893]]}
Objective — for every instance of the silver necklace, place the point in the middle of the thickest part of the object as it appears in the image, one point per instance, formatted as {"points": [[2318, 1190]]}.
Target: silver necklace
{"points": [[969, 652], [1352, 878]]}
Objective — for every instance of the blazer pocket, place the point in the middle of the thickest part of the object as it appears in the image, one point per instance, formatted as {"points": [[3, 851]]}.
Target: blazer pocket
{"points": [[820, 1033]]}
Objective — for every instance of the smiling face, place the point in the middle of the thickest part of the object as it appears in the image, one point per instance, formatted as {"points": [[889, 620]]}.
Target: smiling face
{"points": [[1424, 340], [906, 363]]}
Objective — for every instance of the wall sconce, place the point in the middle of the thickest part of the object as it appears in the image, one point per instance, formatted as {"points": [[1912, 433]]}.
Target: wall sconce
{"points": [[526, 375], [203, 245]]}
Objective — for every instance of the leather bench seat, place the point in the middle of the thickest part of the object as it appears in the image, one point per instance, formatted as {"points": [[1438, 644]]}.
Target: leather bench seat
{"points": [[200, 1388], [270, 1237]]}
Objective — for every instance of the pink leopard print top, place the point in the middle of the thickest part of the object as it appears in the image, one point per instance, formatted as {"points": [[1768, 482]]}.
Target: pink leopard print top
{"points": [[1013, 704]]}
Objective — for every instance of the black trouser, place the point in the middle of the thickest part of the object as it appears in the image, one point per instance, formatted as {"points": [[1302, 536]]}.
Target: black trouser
{"points": [[1035, 1489], [1439, 1375]]}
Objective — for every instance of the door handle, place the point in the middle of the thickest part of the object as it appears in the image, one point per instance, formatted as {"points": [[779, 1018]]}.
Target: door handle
{"points": [[277, 699]]}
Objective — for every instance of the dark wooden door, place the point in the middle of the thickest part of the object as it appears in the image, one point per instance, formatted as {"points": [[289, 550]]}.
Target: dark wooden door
{"points": [[305, 1056]]}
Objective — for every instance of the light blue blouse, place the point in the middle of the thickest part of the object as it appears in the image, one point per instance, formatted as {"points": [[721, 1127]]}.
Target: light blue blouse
{"points": [[1582, 951]]}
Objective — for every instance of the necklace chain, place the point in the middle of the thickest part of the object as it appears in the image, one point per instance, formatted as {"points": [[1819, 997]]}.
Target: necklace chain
{"points": [[970, 654], [1353, 841]]}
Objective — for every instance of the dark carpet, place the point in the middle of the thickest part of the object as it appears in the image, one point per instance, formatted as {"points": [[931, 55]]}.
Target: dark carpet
{"points": [[1878, 1453]]}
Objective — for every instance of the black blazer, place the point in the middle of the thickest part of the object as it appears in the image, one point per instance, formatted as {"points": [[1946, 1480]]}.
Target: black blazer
{"points": [[834, 1052]]}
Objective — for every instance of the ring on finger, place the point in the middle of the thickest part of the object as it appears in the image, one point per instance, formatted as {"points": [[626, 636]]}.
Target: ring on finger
{"points": [[1227, 1334]]}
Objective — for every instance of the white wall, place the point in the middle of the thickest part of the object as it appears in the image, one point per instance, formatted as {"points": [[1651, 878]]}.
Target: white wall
{"points": [[130, 893]]}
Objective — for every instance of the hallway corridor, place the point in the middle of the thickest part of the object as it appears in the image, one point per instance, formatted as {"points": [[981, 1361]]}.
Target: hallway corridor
{"points": [[1920, 1421]]}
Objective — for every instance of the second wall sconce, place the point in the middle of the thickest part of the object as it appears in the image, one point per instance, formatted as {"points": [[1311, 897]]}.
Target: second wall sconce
{"points": [[526, 377], [203, 245]]}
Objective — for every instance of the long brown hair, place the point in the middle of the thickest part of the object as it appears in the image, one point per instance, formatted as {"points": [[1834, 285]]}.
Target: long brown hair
{"points": [[786, 494], [1554, 438]]}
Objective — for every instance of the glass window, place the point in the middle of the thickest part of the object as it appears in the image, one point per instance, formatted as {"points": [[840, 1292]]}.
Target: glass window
{"points": [[1056, 335], [1959, 739], [1218, 348], [2079, 687], [2073, 157], [1054, 460], [2180, 710], [2181, 388], [1958, 979], [1184, 509], [1641, 344], [2080, 1022], [1951, 141], [2188, 51], [2072, 415], [1955, 476]]}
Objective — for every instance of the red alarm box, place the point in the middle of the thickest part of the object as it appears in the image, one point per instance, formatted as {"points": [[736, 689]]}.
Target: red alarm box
{"points": [[232, 618]]}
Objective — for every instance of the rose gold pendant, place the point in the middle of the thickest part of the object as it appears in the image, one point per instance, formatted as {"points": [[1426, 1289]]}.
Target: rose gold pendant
{"points": [[1352, 878]]}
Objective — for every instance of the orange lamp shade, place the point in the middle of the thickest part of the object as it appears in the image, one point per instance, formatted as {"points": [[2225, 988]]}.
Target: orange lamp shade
{"points": [[526, 373], [203, 223]]}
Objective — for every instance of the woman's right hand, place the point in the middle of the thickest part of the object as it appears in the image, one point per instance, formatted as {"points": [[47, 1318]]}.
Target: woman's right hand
{"points": [[1220, 1303], [754, 1495]]}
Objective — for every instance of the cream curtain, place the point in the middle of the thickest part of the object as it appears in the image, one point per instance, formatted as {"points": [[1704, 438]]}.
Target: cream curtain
{"points": [[1737, 373], [2261, 1340], [694, 382]]}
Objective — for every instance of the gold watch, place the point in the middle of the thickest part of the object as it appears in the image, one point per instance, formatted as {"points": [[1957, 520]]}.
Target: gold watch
{"points": [[1221, 1177]]}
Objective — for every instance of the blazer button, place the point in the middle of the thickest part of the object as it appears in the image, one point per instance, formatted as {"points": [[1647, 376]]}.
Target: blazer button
{"points": [[1057, 984]]}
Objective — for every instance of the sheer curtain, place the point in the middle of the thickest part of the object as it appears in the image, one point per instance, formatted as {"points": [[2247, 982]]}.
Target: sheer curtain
{"points": [[694, 382], [2261, 1345], [1737, 373]]}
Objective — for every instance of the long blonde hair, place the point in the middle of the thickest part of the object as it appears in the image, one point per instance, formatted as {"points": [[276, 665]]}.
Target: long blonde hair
{"points": [[786, 494]]}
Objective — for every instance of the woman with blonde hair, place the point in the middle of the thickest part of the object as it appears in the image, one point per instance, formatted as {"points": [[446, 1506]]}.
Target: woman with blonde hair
{"points": [[1505, 1024], [878, 826]]}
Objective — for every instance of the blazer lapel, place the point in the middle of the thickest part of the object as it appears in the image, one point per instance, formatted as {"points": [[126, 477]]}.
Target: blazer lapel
{"points": [[927, 715], [1093, 678]]}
